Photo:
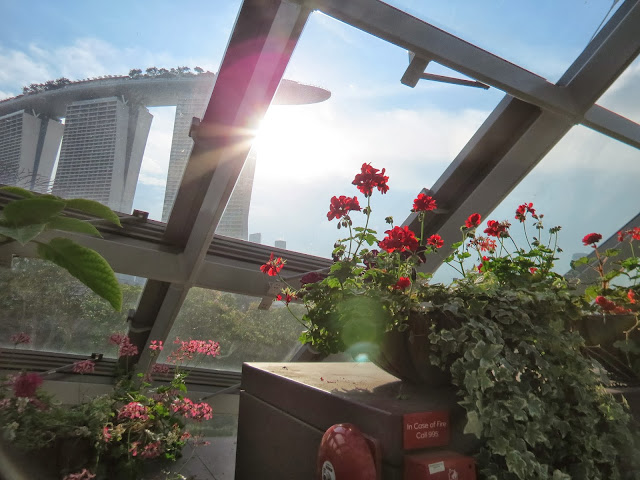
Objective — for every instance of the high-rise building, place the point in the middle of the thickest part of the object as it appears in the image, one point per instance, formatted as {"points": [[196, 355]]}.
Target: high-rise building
{"points": [[280, 244], [255, 237], [102, 151], [235, 219], [28, 149]]}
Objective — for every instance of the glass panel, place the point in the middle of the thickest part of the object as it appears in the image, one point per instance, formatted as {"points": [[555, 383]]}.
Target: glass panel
{"points": [[587, 183], [108, 134], [245, 333], [543, 37], [308, 153], [621, 97], [57, 312]]}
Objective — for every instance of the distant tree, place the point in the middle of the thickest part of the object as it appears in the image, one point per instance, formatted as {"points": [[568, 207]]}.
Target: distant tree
{"points": [[135, 72], [183, 70], [152, 71], [62, 81], [163, 72], [198, 70]]}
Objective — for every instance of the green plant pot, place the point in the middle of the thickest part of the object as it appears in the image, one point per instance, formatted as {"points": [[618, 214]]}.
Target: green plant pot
{"points": [[405, 354], [600, 334]]}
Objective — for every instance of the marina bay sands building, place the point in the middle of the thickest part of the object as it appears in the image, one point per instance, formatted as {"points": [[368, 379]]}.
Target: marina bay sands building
{"points": [[102, 141]]}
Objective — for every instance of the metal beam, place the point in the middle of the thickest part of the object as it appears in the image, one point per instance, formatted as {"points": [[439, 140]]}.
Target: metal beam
{"points": [[261, 44], [431, 43]]}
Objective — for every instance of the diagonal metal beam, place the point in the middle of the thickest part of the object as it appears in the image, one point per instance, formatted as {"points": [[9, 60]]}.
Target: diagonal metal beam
{"points": [[431, 43], [262, 42]]}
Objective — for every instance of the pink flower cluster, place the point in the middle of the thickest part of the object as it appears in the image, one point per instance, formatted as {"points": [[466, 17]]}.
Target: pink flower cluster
{"points": [[84, 474], [25, 385], [134, 411], [152, 450], [19, 338], [187, 350], [156, 345], [127, 349], [84, 366], [189, 409], [160, 368]]}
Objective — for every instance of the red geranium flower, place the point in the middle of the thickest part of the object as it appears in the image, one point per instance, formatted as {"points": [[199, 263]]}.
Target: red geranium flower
{"points": [[341, 206], [273, 266], [621, 236], [609, 306], [424, 203], [473, 220], [497, 229], [435, 240], [25, 384], [635, 233], [522, 210], [481, 266], [401, 239], [311, 277], [591, 238], [402, 283], [286, 298], [369, 178], [631, 295]]}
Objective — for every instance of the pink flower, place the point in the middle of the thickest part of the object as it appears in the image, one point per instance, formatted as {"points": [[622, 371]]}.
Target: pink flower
{"points": [[134, 411], [106, 434], [25, 385], [187, 350], [189, 409], [160, 368], [84, 474], [156, 345], [127, 349], [118, 338], [152, 450], [134, 449], [19, 338], [84, 366]]}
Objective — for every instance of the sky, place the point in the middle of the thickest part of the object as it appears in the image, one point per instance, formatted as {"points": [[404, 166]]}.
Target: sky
{"points": [[307, 154]]}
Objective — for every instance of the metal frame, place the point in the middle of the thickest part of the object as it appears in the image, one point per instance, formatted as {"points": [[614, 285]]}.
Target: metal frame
{"points": [[534, 115]]}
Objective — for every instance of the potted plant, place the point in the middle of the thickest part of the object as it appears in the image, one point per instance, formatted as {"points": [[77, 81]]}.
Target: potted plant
{"points": [[116, 435], [501, 334]]}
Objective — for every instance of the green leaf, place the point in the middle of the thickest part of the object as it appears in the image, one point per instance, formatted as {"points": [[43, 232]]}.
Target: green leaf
{"points": [[86, 265], [32, 211], [23, 234], [473, 426], [94, 208], [612, 252], [17, 191], [516, 464], [73, 225]]}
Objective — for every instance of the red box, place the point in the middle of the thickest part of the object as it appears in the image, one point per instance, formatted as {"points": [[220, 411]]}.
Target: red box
{"points": [[442, 465], [425, 429]]}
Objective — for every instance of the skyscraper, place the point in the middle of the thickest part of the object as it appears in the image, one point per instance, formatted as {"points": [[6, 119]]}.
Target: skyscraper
{"points": [[28, 149], [102, 151]]}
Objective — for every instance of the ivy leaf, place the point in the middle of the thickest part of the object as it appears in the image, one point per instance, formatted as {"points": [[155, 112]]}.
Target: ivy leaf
{"points": [[17, 191], [473, 426], [22, 234], [94, 208], [73, 225], [86, 265], [558, 475], [30, 211], [516, 464]]}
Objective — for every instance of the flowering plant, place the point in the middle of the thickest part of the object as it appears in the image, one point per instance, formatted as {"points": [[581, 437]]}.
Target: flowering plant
{"points": [[503, 332], [137, 422]]}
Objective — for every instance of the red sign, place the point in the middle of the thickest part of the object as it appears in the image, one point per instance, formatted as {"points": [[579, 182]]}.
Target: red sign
{"points": [[425, 429], [443, 465]]}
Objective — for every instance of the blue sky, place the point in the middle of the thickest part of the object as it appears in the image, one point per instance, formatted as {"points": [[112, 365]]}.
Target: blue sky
{"points": [[310, 153]]}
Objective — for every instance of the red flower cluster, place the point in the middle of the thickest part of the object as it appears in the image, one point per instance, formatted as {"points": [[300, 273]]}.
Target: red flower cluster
{"points": [[286, 298], [369, 178], [187, 350], [634, 233], [26, 384], [631, 295], [497, 229], [84, 366], [189, 409], [273, 266], [484, 244], [435, 241], [424, 203], [591, 239], [311, 277], [341, 206], [134, 411], [481, 266], [19, 338], [609, 306], [473, 221], [401, 239], [402, 283], [522, 210]]}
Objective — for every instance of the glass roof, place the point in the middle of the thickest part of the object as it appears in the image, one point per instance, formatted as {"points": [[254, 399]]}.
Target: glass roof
{"points": [[543, 37], [307, 154], [621, 97]]}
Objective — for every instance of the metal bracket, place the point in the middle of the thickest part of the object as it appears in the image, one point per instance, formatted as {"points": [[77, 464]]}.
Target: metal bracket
{"points": [[415, 72]]}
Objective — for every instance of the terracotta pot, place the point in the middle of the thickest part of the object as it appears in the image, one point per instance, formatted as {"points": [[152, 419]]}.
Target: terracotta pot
{"points": [[405, 354]]}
